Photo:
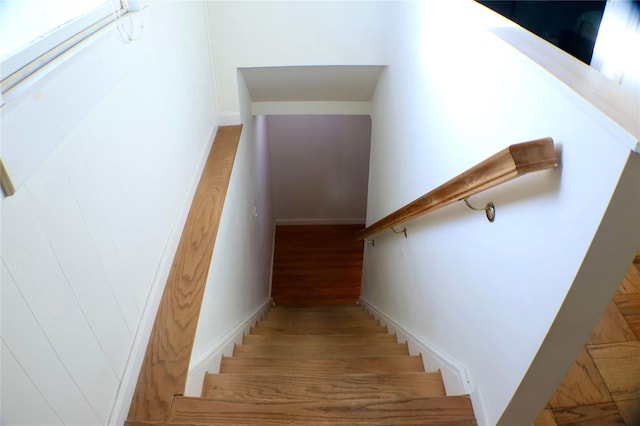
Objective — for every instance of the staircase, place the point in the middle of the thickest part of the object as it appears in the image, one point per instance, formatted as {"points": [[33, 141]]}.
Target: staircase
{"points": [[322, 365]]}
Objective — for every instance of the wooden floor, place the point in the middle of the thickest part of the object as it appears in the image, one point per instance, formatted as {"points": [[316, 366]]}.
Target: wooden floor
{"points": [[603, 386], [317, 265]]}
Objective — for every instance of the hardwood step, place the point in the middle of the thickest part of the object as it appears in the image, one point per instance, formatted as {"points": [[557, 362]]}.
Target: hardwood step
{"points": [[281, 313], [337, 300], [318, 339], [312, 308], [296, 277], [304, 293], [317, 329], [301, 322], [302, 351], [289, 367], [451, 410], [388, 387], [295, 280]]}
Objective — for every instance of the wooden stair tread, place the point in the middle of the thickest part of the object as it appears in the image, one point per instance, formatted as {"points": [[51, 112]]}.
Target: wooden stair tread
{"points": [[313, 308], [301, 322], [258, 388], [451, 410], [319, 301], [319, 329], [317, 314], [318, 339], [332, 365], [275, 366], [325, 351]]}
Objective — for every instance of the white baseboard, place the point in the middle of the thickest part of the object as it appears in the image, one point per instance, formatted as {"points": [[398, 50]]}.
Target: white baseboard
{"points": [[320, 221], [209, 361], [127, 387], [455, 376]]}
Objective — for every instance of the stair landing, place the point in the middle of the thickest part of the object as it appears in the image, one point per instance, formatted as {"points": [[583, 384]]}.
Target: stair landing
{"points": [[317, 265]]}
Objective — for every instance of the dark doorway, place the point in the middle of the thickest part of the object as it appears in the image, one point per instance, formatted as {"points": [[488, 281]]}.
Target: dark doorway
{"points": [[570, 25]]}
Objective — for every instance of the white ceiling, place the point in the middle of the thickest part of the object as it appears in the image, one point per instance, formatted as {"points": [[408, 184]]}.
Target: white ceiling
{"points": [[312, 83]]}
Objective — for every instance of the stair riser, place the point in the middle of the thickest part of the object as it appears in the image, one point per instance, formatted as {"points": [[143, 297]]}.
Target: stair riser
{"points": [[318, 315], [288, 367], [343, 299], [319, 330], [320, 351], [331, 308], [294, 322], [319, 339]]}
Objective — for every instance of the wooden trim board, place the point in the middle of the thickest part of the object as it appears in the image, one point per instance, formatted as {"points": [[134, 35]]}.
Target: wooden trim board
{"points": [[120, 409], [166, 363]]}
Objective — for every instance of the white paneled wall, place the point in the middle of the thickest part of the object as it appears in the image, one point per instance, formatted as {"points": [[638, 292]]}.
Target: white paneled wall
{"points": [[57, 314], [22, 400], [87, 239]]}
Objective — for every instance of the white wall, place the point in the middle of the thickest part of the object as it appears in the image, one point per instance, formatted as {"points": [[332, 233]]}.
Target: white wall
{"points": [[451, 95], [487, 294], [320, 168], [239, 279], [281, 33], [104, 167], [105, 151]]}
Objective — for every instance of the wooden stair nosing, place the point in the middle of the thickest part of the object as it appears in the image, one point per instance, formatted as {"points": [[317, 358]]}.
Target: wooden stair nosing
{"points": [[318, 339], [349, 307], [324, 301], [299, 322], [437, 410], [325, 351], [316, 314], [302, 289], [327, 330], [344, 309], [276, 318], [279, 388], [302, 285], [369, 365]]}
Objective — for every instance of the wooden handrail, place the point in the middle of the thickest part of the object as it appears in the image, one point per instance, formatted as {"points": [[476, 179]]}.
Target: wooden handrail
{"points": [[511, 162]]}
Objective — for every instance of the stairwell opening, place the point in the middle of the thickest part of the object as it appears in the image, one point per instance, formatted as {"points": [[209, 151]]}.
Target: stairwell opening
{"points": [[319, 168]]}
